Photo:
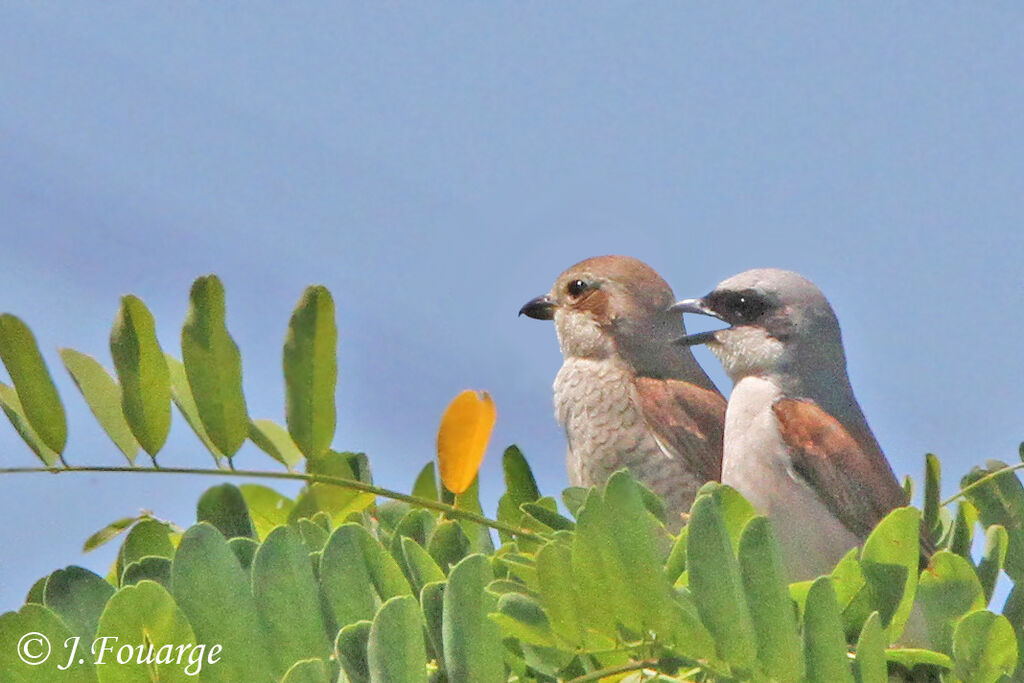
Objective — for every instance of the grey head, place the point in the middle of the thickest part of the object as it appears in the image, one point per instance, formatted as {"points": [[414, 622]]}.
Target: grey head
{"points": [[780, 324]]}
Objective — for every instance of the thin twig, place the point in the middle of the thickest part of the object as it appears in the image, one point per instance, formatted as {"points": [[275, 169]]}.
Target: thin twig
{"points": [[612, 670], [449, 510], [988, 477]]}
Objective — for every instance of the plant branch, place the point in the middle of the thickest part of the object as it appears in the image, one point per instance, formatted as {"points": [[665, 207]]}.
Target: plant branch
{"points": [[449, 510], [988, 477], [612, 670]]}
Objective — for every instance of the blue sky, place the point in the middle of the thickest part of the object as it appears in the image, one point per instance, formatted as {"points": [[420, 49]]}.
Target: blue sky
{"points": [[437, 164]]}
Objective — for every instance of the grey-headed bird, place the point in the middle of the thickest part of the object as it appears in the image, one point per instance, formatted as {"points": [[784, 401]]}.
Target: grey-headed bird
{"points": [[625, 395], [796, 442]]}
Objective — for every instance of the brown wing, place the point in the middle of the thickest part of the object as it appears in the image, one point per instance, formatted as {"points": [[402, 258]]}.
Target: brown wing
{"points": [[852, 477], [687, 420]]}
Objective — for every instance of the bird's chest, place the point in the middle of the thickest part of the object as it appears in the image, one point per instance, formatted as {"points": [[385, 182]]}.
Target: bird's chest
{"points": [[757, 463], [595, 403]]}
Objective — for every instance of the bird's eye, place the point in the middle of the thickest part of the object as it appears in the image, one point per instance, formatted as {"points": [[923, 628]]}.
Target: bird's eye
{"points": [[576, 287], [747, 306]]}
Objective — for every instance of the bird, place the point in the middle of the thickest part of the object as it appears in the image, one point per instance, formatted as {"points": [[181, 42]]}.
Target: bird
{"points": [[625, 396], [797, 444]]}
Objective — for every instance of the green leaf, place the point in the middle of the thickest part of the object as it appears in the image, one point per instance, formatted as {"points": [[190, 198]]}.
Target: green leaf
{"points": [[15, 413], [150, 568], [574, 497], [949, 589], [32, 381], [824, 643], [993, 558], [472, 642], [267, 508], [932, 494], [432, 605], [735, 509], [224, 507], [717, 586], [618, 551], [857, 599], [35, 593], [186, 403], [771, 608], [395, 651], [1001, 501], [416, 524], [213, 591], [146, 613], [675, 565], [17, 638], [426, 483], [350, 649], [521, 566], [275, 441], [520, 485], [909, 658], [357, 574], [963, 529], [548, 517], [244, 550], [1013, 609], [422, 568], [892, 549], [103, 395], [108, 533], [984, 647], [870, 666], [559, 594], [448, 544], [288, 600], [214, 366], [77, 596], [313, 535], [307, 671], [479, 535], [311, 372], [148, 538], [520, 488], [522, 617], [142, 373], [337, 501]]}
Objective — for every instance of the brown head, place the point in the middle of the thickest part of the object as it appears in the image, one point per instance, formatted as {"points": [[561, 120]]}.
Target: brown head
{"points": [[617, 306]]}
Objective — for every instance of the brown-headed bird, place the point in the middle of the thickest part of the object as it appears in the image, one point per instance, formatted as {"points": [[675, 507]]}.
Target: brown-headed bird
{"points": [[625, 395], [796, 442]]}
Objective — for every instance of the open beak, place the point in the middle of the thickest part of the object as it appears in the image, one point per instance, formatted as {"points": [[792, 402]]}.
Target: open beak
{"points": [[695, 306], [539, 308]]}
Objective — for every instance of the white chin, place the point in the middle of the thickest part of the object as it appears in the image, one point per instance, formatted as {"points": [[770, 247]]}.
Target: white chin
{"points": [[746, 351], [579, 336]]}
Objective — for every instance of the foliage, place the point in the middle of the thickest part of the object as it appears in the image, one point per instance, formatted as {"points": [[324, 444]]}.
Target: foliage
{"points": [[351, 582]]}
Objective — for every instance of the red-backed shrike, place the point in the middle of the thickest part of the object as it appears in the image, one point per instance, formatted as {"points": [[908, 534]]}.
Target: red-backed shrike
{"points": [[625, 395]]}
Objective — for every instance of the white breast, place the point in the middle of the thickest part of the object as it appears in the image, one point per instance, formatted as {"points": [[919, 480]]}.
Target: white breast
{"points": [[604, 427], [757, 464]]}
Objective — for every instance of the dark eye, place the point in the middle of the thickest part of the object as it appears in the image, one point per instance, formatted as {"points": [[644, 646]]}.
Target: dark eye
{"points": [[576, 287], [747, 306]]}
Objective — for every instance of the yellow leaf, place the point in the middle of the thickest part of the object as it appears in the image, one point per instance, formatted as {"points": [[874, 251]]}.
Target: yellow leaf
{"points": [[462, 439]]}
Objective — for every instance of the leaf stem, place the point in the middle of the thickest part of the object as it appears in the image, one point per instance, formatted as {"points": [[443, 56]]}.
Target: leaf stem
{"points": [[612, 670], [449, 510], [988, 477]]}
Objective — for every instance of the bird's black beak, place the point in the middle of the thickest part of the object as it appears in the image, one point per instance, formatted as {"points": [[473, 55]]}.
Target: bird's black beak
{"points": [[695, 306], [540, 308], [696, 339]]}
